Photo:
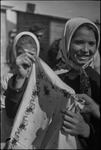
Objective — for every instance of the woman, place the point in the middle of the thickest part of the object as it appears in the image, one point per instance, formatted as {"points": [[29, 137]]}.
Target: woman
{"points": [[34, 99], [80, 42], [6, 116]]}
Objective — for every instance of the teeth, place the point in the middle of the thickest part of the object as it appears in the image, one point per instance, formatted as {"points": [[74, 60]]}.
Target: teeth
{"points": [[82, 57]]}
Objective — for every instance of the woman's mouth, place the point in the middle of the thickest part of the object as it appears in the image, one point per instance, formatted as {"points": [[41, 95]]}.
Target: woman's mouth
{"points": [[82, 59]]}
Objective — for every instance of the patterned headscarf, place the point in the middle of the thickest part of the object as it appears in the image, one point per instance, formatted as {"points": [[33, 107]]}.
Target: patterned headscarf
{"points": [[71, 26]]}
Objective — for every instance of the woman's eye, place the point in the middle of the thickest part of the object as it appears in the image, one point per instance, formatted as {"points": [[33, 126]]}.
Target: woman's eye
{"points": [[78, 42], [92, 43], [19, 52]]}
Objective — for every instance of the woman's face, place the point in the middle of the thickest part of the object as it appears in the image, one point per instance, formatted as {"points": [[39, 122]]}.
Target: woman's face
{"points": [[83, 46]]}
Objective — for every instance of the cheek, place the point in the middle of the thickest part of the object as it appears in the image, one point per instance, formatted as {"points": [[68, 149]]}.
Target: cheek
{"points": [[35, 50], [32, 49], [19, 52], [93, 49], [74, 50]]}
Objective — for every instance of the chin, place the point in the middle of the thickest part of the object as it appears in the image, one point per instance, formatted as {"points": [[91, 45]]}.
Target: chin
{"points": [[81, 63]]}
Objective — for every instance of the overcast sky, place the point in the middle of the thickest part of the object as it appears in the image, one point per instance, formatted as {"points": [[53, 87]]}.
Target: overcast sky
{"points": [[66, 9]]}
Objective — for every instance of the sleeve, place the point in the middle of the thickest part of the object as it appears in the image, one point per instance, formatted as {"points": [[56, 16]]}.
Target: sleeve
{"points": [[13, 97], [94, 78], [3, 85], [88, 143], [93, 141]]}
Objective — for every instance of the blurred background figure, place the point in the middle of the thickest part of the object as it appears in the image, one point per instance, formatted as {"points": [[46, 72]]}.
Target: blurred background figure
{"points": [[55, 57], [9, 54], [52, 53], [39, 30]]}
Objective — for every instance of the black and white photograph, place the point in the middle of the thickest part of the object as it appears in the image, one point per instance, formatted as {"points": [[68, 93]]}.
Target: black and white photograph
{"points": [[50, 74]]}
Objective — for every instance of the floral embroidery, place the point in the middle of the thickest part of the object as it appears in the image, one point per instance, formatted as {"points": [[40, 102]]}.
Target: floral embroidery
{"points": [[40, 74], [34, 93], [29, 109], [24, 123], [14, 141], [46, 90], [84, 84], [22, 126]]}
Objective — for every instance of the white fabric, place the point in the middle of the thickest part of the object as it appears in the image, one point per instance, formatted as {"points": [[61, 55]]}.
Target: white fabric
{"points": [[41, 119]]}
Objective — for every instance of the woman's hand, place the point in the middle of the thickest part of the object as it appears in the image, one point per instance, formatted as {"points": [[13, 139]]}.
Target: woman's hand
{"points": [[24, 63], [74, 124], [90, 106]]}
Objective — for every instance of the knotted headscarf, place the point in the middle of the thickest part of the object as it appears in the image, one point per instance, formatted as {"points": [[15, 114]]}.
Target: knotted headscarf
{"points": [[71, 26]]}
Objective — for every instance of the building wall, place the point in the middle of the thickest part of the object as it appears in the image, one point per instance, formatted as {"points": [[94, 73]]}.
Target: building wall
{"points": [[3, 35], [3, 42], [56, 29]]}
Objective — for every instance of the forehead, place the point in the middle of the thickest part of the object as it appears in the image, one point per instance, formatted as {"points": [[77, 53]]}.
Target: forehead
{"points": [[26, 40], [84, 31], [29, 46], [24, 47]]}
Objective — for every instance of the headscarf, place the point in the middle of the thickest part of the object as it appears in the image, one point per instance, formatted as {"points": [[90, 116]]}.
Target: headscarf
{"points": [[71, 26], [31, 35]]}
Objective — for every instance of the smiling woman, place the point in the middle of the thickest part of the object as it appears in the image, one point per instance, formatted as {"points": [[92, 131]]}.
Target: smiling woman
{"points": [[80, 43]]}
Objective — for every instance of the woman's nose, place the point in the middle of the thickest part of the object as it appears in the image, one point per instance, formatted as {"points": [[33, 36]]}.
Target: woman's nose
{"points": [[86, 48]]}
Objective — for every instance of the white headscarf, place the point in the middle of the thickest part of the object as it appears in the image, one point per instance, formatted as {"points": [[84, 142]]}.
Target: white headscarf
{"points": [[71, 26], [26, 33]]}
